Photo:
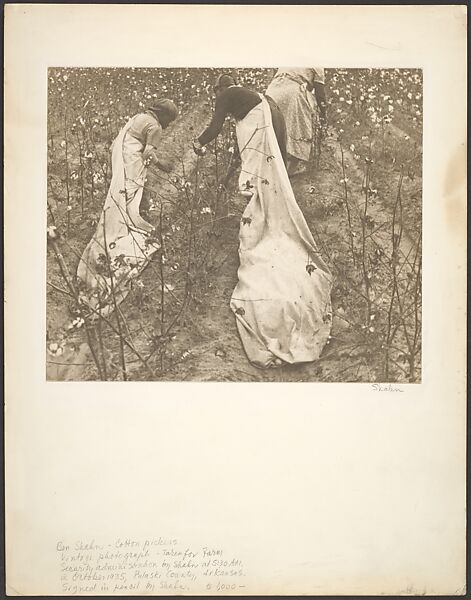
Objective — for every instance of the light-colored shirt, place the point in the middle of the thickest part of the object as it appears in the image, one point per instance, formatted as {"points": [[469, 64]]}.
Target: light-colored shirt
{"points": [[146, 129], [311, 75]]}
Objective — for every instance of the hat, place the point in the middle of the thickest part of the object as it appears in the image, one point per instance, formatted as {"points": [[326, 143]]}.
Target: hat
{"points": [[165, 106]]}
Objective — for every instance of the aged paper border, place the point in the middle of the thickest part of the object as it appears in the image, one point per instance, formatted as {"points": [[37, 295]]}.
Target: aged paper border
{"points": [[322, 488]]}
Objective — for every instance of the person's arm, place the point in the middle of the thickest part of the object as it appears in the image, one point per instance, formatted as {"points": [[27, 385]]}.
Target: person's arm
{"points": [[214, 128], [151, 157], [153, 133], [319, 93]]}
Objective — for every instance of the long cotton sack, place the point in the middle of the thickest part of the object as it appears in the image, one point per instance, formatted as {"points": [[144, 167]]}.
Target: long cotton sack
{"points": [[282, 300], [117, 252]]}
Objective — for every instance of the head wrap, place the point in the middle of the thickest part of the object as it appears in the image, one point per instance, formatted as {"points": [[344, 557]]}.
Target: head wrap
{"points": [[225, 80], [165, 106]]}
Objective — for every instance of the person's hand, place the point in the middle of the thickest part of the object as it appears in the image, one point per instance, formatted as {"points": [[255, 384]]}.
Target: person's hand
{"points": [[198, 149], [148, 158]]}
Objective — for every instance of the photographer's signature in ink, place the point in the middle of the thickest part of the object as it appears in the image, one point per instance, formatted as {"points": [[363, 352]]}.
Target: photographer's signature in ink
{"points": [[378, 387]]}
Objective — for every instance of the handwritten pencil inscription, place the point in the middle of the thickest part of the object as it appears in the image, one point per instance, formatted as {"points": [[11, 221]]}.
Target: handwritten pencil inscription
{"points": [[146, 566], [378, 387]]}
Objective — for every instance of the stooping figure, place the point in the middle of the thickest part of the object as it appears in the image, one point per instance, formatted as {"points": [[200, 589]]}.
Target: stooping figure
{"points": [[300, 95], [282, 299], [122, 244], [237, 101]]}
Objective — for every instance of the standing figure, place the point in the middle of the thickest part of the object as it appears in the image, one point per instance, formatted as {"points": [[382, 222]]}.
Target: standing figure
{"points": [[122, 246], [300, 95], [282, 300]]}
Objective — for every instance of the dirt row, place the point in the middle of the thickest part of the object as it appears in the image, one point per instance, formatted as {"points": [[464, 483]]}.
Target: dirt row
{"points": [[207, 346]]}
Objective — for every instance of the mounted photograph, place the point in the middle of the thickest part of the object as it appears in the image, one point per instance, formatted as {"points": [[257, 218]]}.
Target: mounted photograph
{"points": [[234, 224]]}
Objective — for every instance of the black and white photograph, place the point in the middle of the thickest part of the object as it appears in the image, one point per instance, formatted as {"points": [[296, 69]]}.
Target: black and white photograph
{"points": [[235, 300], [234, 224]]}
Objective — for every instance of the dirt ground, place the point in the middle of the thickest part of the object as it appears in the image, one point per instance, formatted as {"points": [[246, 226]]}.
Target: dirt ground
{"points": [[206, 345]]}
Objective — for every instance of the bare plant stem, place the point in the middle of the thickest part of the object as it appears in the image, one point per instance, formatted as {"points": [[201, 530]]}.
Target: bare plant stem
{"points": [[115, 303], [366, 279], [101, 344], [396, 234], [347, 207], [68, 280], [216, 165], [144, 360], [67, 184], [58, 289], [417, 303], [162, 287], [92, 181], [81, 173]]}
